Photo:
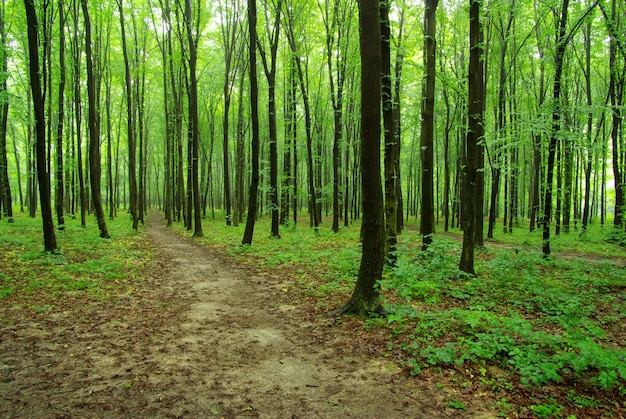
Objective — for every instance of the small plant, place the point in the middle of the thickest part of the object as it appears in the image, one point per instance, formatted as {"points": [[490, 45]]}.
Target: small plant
{"points": [[504, 407], [581, 400], [546, 410], [457, 404]]}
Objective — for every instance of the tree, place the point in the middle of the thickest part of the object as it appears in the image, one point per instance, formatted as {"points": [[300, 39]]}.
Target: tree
{"points": [[475, 133], [427, 143], [365, 297], [192, 39], [230, 38], [616, 94], [338, 30], [389, 124], [130, 126], [254, 116], [562, 39], [270, 73], [43, 176], [5, 186], [94, 129], [291, 36]]}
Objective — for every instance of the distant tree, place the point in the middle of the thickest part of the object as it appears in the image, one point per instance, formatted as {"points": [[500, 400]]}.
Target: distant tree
{"points": [[43, 176], [229, 12], [365, 297], [292, 38], [617, 82], [561, 41]]}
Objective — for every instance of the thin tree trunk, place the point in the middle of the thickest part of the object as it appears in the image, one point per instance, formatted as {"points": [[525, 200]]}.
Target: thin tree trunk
{"points": [[556, 124], [130, 128], [307, 121], [94, 129]]}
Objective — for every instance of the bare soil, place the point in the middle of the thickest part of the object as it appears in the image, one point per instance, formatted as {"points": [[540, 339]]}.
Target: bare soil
{"points": [[202, 338]]}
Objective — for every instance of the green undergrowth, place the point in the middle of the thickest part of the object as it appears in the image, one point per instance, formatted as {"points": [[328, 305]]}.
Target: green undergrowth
{"points": [[554, 321], [544, 320], [84, 266]]}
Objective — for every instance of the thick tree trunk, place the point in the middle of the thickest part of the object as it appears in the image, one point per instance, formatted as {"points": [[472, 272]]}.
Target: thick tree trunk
{"points": [[365, 297], [427, 142], [50, 242], [254, 115], [475, 133], [192, 34]]}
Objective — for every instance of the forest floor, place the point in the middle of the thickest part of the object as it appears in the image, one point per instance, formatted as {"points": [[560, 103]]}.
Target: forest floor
{"points": [[200, 337]]}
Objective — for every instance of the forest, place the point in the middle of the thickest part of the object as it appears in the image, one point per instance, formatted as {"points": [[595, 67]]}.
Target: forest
{"points": [[451, 173]]}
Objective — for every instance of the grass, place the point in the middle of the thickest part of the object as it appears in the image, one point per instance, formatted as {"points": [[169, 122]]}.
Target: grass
{"points": [[86, 266]]}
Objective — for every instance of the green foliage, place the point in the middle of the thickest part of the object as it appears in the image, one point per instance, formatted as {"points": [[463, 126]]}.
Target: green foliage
{"points": [[534, 316], [546, 410], [457, 404]]}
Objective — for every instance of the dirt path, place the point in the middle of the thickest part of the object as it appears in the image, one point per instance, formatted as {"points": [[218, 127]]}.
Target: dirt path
{"points": [[200, 338]]}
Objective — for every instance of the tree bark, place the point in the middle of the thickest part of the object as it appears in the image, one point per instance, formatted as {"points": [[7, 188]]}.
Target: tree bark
{"points": [[130, 127], [192, 39], [475, 133], [391, 201], [365, 297], [556, 124], [254, 115], [5, 186], [94, 129], [50, 242], [427, 144], [307, 121]]}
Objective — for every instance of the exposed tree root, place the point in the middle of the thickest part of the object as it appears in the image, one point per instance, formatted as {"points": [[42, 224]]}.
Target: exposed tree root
{"points": [[349, 307]]}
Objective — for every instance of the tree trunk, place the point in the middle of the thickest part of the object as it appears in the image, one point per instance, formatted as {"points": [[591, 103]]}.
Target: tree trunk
{"points": [[290, 142], [130, 127], [254, 115], [616, 94], [427, 143], [192, 39], [556, 124], [270, 73], [365, 297], [475, 133], [5, 186], [94, 129], [50, 242], [307, 121]]}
